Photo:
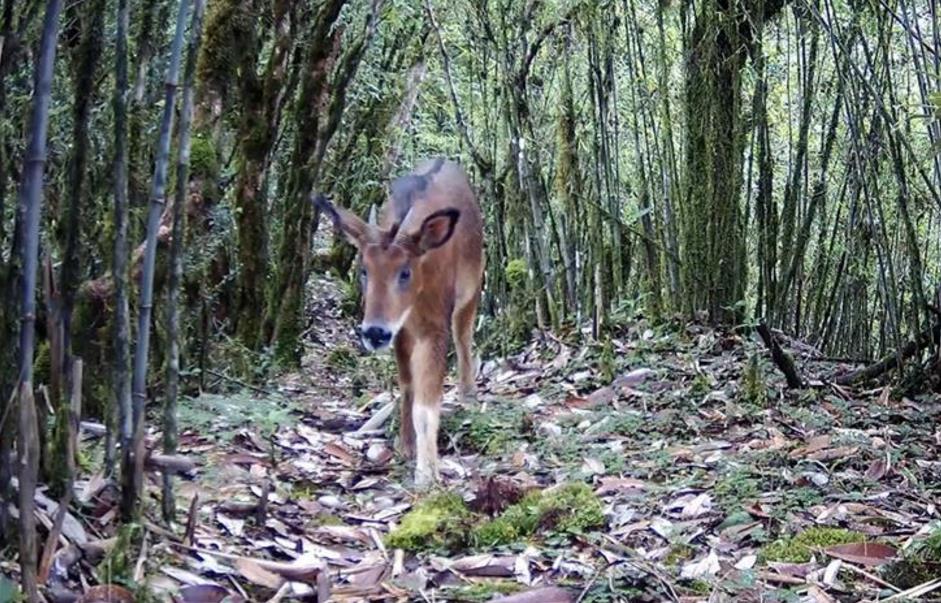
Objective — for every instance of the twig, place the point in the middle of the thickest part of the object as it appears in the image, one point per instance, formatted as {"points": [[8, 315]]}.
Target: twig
{"points": [[261, 511], [913, 593], [872, 577], [139, 568]]}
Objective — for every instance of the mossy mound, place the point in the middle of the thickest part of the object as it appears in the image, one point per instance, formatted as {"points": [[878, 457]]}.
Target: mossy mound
{"points": [[567, 509], [921, 564], [437, 523], [444, 521], [801, 547]]}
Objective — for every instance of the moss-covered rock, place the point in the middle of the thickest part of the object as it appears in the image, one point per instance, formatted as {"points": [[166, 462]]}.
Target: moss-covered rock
{"points": [[801, 547], [437, 523]]}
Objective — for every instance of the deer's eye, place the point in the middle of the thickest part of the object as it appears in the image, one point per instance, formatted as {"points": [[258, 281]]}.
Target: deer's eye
{"points": [[405, 275], [362, 274]]}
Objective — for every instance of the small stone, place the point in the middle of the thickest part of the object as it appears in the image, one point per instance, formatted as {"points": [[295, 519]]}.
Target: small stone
{"points": [[378, 453], [330, 501]]}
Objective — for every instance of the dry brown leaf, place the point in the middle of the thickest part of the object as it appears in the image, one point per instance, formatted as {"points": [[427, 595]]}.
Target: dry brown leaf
{"points": [[619, 484], [341, 453], [206, 593], [869, 554], [491, 566], [254, 573], [877, 470], [829, 454], [549, 594], [814, 445], [107, 593]]}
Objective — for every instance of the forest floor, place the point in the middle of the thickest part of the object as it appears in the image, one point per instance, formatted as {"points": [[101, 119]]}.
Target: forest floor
{"points": [[706, 480]]}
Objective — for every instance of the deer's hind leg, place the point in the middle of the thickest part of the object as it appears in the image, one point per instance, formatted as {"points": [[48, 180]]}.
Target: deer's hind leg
{"points": [[462, 329]]}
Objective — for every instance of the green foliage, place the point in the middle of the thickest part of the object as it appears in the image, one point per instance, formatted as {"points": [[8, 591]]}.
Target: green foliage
{"points": [[517, 274], [118, 564], [920, 564], [491, 432], [342, 358], [9, 591], [442, 522], [736, 487], [801, 547], [220, 416]]}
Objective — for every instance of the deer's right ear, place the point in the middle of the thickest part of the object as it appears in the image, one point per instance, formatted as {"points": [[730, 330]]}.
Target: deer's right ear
{"points": [[353, 229]]}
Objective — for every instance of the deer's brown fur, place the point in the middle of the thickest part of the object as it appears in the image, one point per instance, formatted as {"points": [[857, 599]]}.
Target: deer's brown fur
{"points": [[422, 272]]}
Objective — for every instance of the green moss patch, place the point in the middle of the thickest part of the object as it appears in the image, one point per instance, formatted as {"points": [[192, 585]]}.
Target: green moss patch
{"points": [[438, 522], [567, 509], [801, 547], [444, 522]]}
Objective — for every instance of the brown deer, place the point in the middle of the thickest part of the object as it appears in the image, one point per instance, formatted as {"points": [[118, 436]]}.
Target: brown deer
{"points": [[421, 270]]}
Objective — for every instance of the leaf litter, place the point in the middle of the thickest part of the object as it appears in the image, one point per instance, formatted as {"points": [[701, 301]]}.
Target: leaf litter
{"points": [[698, 477]]}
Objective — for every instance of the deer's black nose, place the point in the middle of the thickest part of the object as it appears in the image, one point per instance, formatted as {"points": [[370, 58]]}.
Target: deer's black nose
{"points": [[376, 337]]}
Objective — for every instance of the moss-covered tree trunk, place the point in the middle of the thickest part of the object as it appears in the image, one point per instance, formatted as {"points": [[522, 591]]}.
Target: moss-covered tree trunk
{"points": [[714, 267], [286, 304], [88, 32], [233, 59]]}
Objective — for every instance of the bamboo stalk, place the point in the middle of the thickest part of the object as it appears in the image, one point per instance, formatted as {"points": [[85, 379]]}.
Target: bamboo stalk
{"points": [[176, 257], [31, 196], [122, 315], [133, 456]]}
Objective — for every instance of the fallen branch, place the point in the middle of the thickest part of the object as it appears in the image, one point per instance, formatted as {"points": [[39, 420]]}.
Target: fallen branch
{"points": [[890, 361], [781, 358]]}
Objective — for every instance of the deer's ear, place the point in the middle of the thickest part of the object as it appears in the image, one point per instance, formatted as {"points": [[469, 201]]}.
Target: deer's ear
{"points": [[345, 222], [437, 229]]}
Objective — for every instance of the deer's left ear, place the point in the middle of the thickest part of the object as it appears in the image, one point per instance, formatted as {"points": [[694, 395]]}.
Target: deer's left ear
{"points": [[344, 222], [437, 229]]}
